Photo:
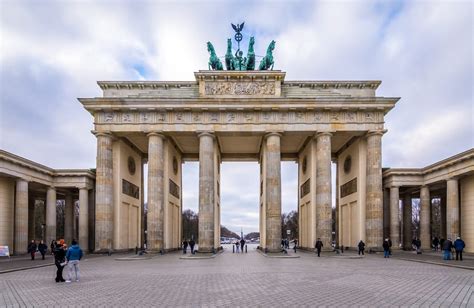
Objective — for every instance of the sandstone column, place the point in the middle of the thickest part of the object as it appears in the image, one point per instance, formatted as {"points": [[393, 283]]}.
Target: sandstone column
{"points": [[68, 218], [155, 214], [323, 189], [206, 192], [407, 224], [374, 194], [104, 193], [394, 216], [452, 209], [425, 215], [50, 215], [273, 192], [84, 218], [31, 218], [21, 217]]}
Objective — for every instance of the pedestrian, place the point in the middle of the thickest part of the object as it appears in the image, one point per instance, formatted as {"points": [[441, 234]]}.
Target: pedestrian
{"points": [[42, 249], [242, 244], [282, 243], [185, 246], [459, 245], [447, 245], [237, 246], [361, 246], [73, 256], [296, 244], [59, 260], [318, 246], [191, 245], [52, 246], [32, 249], [386, 248], [418, 246], [435, 243]]}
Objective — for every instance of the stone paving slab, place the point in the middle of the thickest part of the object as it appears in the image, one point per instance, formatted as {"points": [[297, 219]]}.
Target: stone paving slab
{"points": [[244, 280]]}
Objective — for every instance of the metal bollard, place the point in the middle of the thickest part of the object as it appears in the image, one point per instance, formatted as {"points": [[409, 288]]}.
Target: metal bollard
{"points": [[233, 248], [245, 248]]}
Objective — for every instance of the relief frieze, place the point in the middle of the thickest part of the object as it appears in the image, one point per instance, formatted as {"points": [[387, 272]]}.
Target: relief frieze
{"points": [[239, 88]]}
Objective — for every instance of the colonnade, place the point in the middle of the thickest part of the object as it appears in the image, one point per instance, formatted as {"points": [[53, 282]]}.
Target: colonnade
{"points": [[450, 210]]}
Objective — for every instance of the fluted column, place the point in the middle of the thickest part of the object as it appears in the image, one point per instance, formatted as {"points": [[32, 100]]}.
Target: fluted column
{"points": [[84, 218], [155, 214], [206, 192], [21, 216], [323, 189], [394, 216], [407, 225], [104, 193], [452, 209], [50, 215], [374, 193], [68, 218], [425, 217], [273, 192]]}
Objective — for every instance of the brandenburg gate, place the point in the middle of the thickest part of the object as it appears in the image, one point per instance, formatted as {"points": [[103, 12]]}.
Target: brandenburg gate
{"points": [[236, 116]]}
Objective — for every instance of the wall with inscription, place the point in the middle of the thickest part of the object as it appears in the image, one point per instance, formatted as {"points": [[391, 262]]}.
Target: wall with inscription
{"points": [[351, 193], [127, 175]]}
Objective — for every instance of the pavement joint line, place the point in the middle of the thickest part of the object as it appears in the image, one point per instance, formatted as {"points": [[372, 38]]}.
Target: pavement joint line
{"points": [[277, 256], [436, 263], [23, 268]]}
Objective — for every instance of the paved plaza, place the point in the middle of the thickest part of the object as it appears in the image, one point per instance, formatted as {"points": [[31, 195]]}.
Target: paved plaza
{"points": [[244, 280]]}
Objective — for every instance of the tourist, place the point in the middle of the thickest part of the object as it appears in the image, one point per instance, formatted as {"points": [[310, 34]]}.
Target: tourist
{"points": [[447, 245], [52, 246], [73, 256], [237, 246], [295, 241], [242, 244], [318, 246], [32, 249], [418, 246], [282, 243], [459, 245], [185, 246], [191, 245], [386, 248], [361, 246], [42, 249], [435, 243], [59, 260]]}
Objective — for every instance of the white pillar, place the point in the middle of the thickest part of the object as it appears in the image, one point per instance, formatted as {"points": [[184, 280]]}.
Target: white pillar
{"points": [[155, 214], [206, 192], [323, 189], [84, 218], [50, 215], [394, 216], [21, 217], [425, 217], [452, 209]]}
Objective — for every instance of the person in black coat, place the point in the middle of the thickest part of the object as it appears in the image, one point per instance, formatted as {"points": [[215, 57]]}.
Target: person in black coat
{"points": [[52, 246], [185, 246], [32, 249], [42, 249], [242, 244], [386, 248], [191, 244], [318, 246], [361, 246], [59, 259]]}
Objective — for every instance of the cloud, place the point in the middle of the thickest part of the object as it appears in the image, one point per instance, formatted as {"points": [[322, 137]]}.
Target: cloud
{"points": [[53, 52]]}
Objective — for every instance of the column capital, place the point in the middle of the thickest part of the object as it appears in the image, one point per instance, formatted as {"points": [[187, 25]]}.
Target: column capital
{"points": [[105, 133], [394, 186], [206, 133], [378, 132], [52, 188], [156, 133], [269, 134], [320, 134]]}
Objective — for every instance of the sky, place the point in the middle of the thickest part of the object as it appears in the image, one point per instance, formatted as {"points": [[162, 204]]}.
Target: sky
{"points": [[52, 52]]}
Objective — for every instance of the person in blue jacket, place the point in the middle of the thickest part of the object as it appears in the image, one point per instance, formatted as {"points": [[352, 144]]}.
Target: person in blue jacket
{"points": [[459, 245], [73, 256]]}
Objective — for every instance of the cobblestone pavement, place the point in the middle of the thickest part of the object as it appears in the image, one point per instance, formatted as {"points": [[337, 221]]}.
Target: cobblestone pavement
{"points": [[244, 280]]}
